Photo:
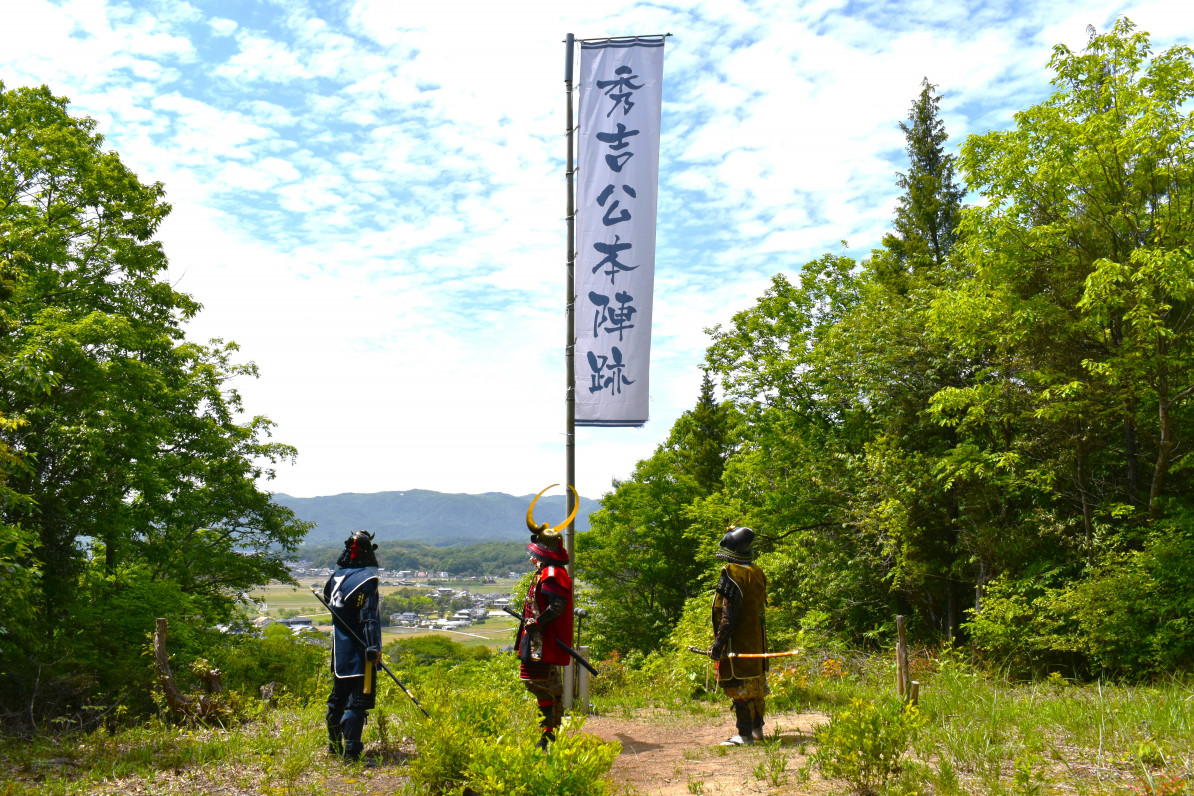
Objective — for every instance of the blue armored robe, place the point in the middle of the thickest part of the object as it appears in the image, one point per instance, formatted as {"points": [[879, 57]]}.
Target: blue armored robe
{"points": [[352, 593]]}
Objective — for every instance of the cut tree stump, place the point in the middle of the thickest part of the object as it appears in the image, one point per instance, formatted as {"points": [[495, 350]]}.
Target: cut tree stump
{"points": [[203, 708]]}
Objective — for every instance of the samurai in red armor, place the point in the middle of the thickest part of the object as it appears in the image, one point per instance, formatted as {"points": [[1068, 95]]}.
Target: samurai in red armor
{"points": [[547, 617]]}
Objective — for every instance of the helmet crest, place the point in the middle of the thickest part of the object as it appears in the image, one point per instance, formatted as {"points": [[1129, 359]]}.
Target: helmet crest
{"points": [[547, 545]]}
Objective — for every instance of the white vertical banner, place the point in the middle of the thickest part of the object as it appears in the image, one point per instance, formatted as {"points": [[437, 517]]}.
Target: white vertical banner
{"points": [[618, 120]]}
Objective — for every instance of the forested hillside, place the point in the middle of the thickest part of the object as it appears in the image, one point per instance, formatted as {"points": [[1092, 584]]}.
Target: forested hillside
{"points": [[484, 558], [433, 518], [986, 424]]}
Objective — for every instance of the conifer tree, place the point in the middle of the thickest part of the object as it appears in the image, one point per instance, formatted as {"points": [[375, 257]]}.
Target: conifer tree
{"points": [[641, 558], [708, 443], [927, 215]]}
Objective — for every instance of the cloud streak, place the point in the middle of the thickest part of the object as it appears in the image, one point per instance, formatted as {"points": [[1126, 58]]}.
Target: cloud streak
{"points": [[369, 196]]}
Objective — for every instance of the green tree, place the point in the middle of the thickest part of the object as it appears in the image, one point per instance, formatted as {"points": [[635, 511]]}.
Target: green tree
{"points": [[642, 555], [886, 360], [1080, 308], [704, 458], [137, 476], [794, 476], [927, 213]]}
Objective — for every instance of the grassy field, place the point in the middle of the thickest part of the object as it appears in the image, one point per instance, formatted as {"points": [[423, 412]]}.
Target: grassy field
{"points": [[495, 633]]}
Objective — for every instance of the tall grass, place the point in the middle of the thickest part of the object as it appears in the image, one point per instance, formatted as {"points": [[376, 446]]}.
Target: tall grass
{"points": [[1096, 738], [986, 734], [979, 733]]}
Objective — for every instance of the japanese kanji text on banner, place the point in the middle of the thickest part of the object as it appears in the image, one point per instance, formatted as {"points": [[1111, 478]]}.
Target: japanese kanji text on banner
{"points": [[621, 92]]}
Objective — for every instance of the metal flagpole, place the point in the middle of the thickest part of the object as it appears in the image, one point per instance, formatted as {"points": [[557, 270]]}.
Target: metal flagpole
{"points": [[570, 323], [570, 345]]}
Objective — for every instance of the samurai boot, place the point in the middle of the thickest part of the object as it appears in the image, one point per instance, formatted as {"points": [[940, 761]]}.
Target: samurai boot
{"points": [[352, 724], [745, 736], [335, 741], [756, 724], [335, 734], [547, 725]]}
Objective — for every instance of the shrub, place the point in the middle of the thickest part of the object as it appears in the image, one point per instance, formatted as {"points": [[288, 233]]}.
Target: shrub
{"points": [[863, 743], [483, 738], [248, 663], [1014, 627], [426, 650], [1129, 615], [575, 765]]}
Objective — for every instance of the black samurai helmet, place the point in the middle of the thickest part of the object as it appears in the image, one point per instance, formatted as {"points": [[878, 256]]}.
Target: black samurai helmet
{"points": [[735, 545], [358, 551]]}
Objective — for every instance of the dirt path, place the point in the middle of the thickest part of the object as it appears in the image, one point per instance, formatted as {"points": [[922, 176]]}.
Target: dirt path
{"points": [[671, 754]]}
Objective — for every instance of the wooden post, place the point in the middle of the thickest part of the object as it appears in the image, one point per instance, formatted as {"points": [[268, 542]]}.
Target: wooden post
{"points": [[206, 707], [569, 677], [914, 693], [903, 678]]}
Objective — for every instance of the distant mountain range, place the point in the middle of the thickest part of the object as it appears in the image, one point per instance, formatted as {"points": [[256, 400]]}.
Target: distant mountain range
{"points": [[435, 518]]}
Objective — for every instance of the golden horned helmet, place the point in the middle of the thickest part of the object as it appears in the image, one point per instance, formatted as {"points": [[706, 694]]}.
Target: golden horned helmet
{"points": [[547, 544]]}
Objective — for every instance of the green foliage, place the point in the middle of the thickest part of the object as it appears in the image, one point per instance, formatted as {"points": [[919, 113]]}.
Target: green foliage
{"points": [[426, 650], [1078, 310], [927, 214], [110, 633], [647, 551], [18, 573], [1130, 616], [993, 418], [297, 666], [412, 600], [135, 478], [484, 737], [863, 744], [574, 764]]}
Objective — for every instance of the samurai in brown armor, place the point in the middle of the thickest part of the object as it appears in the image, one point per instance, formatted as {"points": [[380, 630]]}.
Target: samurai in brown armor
{"points": [[547, 616], [738, 627]]}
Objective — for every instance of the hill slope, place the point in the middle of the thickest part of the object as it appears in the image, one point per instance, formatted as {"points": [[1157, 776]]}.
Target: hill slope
{"points": [[434, 518]]}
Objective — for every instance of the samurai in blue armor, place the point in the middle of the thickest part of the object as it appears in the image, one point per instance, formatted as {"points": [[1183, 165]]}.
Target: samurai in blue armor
{"points": [[351, 591]]}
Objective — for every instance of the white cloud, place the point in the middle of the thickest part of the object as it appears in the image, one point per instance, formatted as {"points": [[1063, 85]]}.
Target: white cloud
{"points": [[265, 60], [370, 199], [222, 27]]}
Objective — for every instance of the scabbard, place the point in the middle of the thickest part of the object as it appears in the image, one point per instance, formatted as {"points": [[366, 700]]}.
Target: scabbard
{"points": [[747, 655], [368, 677], [577, 657]]}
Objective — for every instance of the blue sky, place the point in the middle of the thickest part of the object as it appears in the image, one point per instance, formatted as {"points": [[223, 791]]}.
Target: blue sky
{"points": [[369, 196]]}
